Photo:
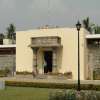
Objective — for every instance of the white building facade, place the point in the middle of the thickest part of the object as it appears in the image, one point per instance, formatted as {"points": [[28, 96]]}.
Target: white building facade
{"points": [[52, 51]]}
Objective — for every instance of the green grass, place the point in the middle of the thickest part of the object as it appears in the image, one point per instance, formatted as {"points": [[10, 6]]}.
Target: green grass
{"points": [[31, 93], [25, 93]]}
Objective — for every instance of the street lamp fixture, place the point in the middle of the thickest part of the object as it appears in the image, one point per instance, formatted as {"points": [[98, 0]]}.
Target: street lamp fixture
{"points": [[78, 26]]}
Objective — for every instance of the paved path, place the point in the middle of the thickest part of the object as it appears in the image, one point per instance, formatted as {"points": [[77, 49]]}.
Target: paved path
{"points": [[48, 79]]}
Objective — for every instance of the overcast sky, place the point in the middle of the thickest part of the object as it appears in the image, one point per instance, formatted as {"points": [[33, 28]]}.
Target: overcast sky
{"points": [[30, 14]]}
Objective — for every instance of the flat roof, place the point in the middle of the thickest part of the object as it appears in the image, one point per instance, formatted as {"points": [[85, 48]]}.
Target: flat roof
{"points": [[93, 36], [8, 46]]}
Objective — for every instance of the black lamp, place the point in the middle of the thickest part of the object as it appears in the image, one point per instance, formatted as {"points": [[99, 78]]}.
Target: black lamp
{"points": [[78, 26]]}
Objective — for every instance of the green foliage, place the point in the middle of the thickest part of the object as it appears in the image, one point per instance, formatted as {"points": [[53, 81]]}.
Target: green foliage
{"points": [[53, 85], [11, 31], [59, 95], [68, 75], [97, 29], [86, 24], [92, 28], [23, 73], [4, 72], [7, 70], [24, 93], [30, 93], [39, 84], [1, 36], [74, 95]]}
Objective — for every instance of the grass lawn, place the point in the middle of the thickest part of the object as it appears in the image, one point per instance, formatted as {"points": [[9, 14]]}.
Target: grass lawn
{"points": [[25, 93], [31, 93]]}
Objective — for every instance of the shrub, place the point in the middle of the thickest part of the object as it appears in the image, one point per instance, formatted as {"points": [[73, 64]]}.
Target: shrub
{"points": [[74, 95], [53, 85], [59, 95], [63, 95], [2, 73], [23, 73], [5, 72], [39, 84], [68, 75]]}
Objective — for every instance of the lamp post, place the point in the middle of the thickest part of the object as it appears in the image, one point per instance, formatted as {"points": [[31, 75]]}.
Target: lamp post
{"points": [[78, 26]]}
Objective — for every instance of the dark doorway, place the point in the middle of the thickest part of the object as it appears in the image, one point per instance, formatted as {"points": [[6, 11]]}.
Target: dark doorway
{"points": [[48, 61]]}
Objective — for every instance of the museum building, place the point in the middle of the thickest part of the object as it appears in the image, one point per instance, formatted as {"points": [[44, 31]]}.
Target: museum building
{"points": [[55, 50]]}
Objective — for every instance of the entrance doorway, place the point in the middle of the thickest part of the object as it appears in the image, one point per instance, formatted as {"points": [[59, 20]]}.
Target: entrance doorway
{"points": [[47, 61]]}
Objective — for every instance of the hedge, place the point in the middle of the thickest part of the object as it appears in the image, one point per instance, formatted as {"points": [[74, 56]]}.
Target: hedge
{"points": [[23, 73], [52, 85]]}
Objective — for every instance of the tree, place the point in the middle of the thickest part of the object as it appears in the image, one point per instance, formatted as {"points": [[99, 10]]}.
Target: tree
{"points": [[87, 25], [1, 38], [92, 28], [11, 31], [97, 29]]}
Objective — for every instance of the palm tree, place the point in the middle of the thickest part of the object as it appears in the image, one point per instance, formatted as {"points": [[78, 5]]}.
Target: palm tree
{"points": [[11, 31], [92, 28], [87, 25]]}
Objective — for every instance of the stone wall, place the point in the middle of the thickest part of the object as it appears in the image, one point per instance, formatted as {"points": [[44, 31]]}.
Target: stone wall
{"points": [[93, 59], [8, 61]]}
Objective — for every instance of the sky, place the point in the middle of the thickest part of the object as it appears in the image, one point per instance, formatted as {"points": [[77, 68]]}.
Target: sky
{"points": [[30, 14]]}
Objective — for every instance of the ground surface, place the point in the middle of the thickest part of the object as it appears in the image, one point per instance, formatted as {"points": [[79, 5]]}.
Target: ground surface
{"points": [[48, 79], [24, 93], [30, 93]]}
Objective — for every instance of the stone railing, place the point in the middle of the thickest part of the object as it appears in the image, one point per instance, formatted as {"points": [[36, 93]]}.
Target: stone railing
{"points": [[46, 41]]}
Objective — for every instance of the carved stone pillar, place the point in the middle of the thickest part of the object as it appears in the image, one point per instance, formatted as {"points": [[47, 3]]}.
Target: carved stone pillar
{"points": [[54, 59], [35, 50]]}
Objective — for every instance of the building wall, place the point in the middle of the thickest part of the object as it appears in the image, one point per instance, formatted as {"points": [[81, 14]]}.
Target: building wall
{"points": [[93, 59], [7, 57], [7, 61], [67, 60]]}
